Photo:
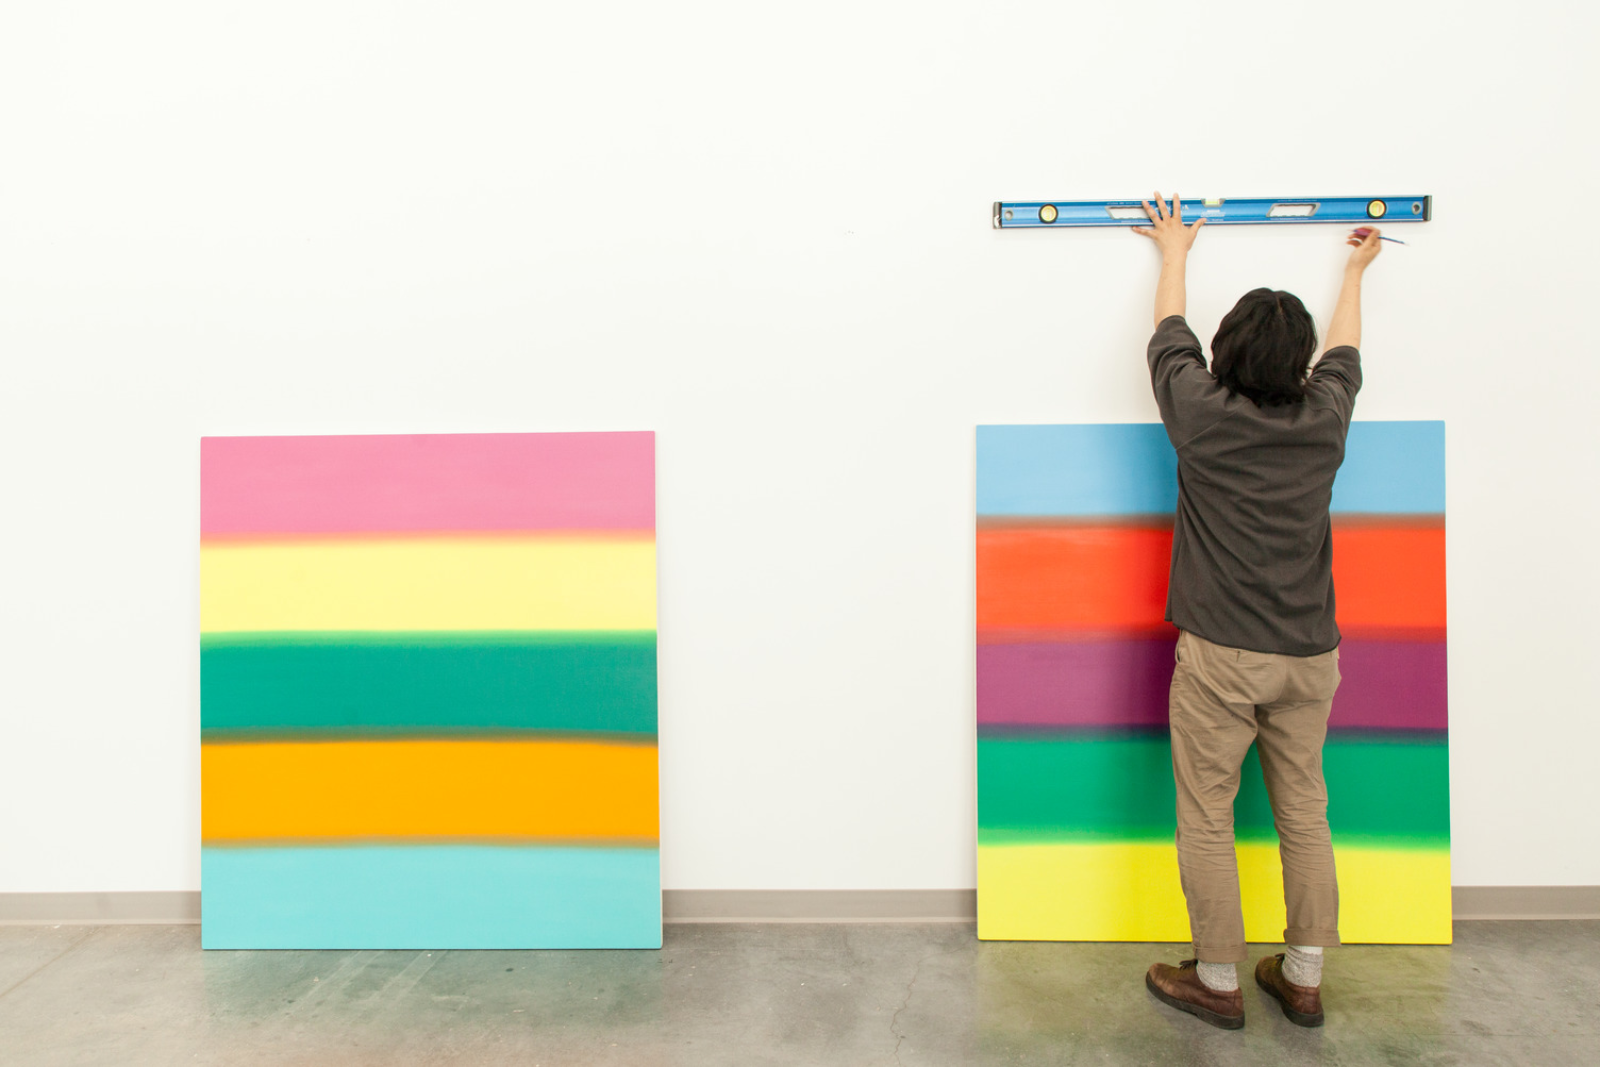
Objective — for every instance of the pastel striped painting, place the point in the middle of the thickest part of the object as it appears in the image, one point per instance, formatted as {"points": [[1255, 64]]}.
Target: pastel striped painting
{"points": [[428, 692], [1075, 793]]}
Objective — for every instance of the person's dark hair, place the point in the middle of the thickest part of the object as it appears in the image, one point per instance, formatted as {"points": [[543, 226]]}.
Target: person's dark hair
{"points": [[1264, 346]]}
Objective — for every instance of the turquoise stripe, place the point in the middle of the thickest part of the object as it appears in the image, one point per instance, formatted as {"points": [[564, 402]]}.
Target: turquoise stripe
{"points": [[1107, 469], [430, 897]]}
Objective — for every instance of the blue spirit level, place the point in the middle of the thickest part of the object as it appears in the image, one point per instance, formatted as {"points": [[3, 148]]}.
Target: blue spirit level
{"points": [[1037, 214]]}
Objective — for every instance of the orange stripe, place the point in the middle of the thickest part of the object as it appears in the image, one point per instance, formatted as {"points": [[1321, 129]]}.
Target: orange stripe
{"points": [[1110, 579], [1080, 577], [1389, 577], [318, 790]]}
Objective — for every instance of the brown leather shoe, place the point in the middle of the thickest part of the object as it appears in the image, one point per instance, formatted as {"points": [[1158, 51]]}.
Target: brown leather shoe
{"points": [[1301, 1004], [1181, 987]]}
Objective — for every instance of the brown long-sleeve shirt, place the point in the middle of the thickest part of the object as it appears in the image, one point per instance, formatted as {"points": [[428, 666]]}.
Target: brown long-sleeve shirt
{"points": [[1252, 545]]}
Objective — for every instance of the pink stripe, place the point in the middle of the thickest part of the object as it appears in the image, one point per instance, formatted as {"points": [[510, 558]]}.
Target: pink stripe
{"points": [[427, 482]]}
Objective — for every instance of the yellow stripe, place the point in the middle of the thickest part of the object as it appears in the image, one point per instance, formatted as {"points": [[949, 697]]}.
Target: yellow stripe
{"points": [[1130, 892], [1393, 897], [447, 583]]}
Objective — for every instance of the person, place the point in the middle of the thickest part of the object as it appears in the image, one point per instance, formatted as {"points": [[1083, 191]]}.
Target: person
{"points": [[1259, 437]]}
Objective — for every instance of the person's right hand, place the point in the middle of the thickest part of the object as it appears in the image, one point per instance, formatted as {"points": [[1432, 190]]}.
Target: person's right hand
{"points": [[1366, 249]]}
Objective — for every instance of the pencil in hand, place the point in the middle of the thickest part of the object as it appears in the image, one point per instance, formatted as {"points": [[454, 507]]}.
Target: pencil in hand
{"points": [[1362, 232]]}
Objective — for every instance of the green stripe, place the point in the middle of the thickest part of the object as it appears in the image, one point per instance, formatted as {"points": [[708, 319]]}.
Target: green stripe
{"points": [[427, 682], [1120, 789]]}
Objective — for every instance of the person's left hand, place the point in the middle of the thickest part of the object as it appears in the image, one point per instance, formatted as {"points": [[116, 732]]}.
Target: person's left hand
{"points": [[1167, 229]]}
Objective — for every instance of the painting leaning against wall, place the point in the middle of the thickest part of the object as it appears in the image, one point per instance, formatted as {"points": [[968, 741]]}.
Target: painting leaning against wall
{"points": [[1075, 793], [428, 692]]}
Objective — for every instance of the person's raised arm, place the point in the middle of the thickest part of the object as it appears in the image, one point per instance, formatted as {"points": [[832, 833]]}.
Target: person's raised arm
{"points": [[1174, 239], [1345, 329]]}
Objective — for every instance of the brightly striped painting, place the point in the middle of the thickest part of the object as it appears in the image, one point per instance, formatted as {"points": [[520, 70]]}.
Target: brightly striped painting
{"points": [[1075, 794], [428, 692]]}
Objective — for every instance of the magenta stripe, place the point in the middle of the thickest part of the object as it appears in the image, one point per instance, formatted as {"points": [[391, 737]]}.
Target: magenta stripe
{"points": [[1077, 683], [427, 482], [1388, 685], [1391, 685]]}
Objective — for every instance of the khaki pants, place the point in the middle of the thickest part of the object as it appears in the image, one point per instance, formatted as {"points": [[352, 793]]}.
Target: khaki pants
{"points": [[1222, 700]]}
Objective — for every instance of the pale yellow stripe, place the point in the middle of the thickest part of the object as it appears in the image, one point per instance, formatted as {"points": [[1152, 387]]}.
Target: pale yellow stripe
{"points": [[447, 583], [1130, 892]]}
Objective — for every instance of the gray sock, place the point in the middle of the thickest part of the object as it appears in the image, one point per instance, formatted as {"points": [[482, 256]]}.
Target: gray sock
{"points": [[1302, 965], [1219, 977]]}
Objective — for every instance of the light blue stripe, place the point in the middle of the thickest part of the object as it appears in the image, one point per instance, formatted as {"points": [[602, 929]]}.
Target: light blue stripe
{"points": [[1092, 469], [1114, 469], [430, 897], [1392, 468]]}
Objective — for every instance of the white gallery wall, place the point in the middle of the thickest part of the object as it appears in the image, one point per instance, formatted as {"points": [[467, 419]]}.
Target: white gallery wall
{"points": [[762, 231]]}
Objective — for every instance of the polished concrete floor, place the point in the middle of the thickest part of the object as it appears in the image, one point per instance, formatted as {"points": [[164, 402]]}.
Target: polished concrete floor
{"points": [[1523, 993]]}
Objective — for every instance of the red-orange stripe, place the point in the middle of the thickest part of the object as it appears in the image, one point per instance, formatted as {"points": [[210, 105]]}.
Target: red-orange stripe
{"points": [[1078, 577], [1389, 578], [1112, 579]]}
